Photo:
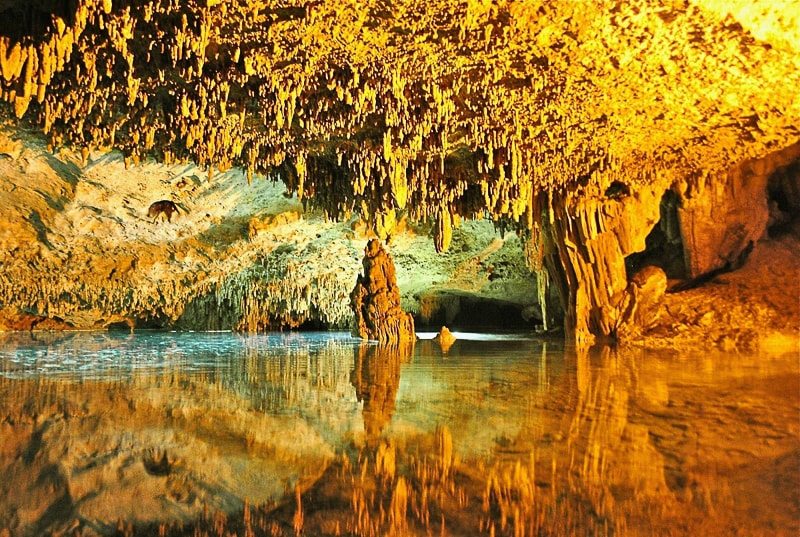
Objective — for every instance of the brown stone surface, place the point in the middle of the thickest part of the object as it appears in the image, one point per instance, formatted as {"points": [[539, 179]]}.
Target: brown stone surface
{"points": [[721, 216], [376, 300], [580, 241], [581, 238], [754, 308]]}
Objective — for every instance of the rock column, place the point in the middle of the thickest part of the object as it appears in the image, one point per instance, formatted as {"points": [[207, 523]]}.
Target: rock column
{"points": [[581, 242], [376, 300]]}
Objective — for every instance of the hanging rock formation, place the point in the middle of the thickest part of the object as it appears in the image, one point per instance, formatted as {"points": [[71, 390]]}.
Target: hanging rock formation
{"points": [[376, 300], [579, 242]]}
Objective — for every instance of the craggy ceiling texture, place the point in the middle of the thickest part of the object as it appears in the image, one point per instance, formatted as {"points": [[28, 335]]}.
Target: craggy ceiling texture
{"points": [[439, 107]]}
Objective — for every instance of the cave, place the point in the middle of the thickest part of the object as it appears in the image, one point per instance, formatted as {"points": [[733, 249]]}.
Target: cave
{"points": [[464, 311], [663, 245], [224, 93], [429, 267], [783, 195], [119, 326]]}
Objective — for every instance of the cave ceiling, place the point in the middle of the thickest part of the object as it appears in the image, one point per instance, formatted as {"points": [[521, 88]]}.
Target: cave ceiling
{"points": [[436, 106]]}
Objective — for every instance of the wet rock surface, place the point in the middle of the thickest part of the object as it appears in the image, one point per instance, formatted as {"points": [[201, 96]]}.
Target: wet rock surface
{"points": [[580, 240]]}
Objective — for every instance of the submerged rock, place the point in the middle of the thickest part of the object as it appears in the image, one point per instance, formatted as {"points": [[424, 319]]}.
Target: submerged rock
{"points": [[376, 299], [445, 339]]}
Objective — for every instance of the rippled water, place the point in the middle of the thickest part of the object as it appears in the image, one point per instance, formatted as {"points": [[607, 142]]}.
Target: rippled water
{"points": [[319, 434]]}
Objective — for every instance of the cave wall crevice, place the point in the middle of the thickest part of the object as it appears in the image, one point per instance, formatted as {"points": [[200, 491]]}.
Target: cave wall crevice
{"points": [[721, 215]]}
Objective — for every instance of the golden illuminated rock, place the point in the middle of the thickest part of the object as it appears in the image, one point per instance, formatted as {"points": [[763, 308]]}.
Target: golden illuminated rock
{"points": [[376, 300], [445, 339], [645, 292]]}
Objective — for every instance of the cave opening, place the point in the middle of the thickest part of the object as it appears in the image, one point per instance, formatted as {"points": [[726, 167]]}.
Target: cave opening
{"points": [[783, 198], [664, 244], [617, 190], [120, 326], [465, 311]]}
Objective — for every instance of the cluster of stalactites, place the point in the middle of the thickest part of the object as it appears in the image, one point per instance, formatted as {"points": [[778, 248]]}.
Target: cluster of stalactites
{"points": [[360, 109], [27, 67], [132, 78], [267, 299]]}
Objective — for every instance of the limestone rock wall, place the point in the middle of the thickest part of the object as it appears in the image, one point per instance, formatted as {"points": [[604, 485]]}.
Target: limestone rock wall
{"points": [[720, 217], [78, 250], [580, 239]]}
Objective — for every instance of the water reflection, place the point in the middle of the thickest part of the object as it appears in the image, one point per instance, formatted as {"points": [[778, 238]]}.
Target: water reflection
{"points": [[376, 377], [322, 435]]}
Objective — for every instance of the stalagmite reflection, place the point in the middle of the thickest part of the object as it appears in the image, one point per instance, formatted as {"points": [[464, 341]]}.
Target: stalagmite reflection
{"points": [[376, 377]]}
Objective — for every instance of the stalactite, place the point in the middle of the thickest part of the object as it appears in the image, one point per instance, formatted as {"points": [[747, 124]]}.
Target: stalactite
{"points": [[443, 232], [542, 284], [514, 119]]}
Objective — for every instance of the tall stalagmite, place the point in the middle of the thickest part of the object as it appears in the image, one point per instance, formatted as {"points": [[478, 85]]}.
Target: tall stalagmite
{"points": [[376, 300]]}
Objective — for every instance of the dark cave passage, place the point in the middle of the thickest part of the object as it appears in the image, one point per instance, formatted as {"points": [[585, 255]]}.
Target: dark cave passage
{"points": [[783, 198], [464, 311], [664, 245]]}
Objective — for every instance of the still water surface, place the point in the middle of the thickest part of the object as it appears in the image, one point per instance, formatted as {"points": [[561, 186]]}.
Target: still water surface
{"points": [[319, 434]]}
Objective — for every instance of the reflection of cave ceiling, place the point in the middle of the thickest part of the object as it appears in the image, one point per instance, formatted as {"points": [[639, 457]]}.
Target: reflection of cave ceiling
{"points": [[434, 105]]}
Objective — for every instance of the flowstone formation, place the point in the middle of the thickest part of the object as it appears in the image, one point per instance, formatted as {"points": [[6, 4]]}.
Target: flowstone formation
{"points": [[563, 121], [376, 300]]}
